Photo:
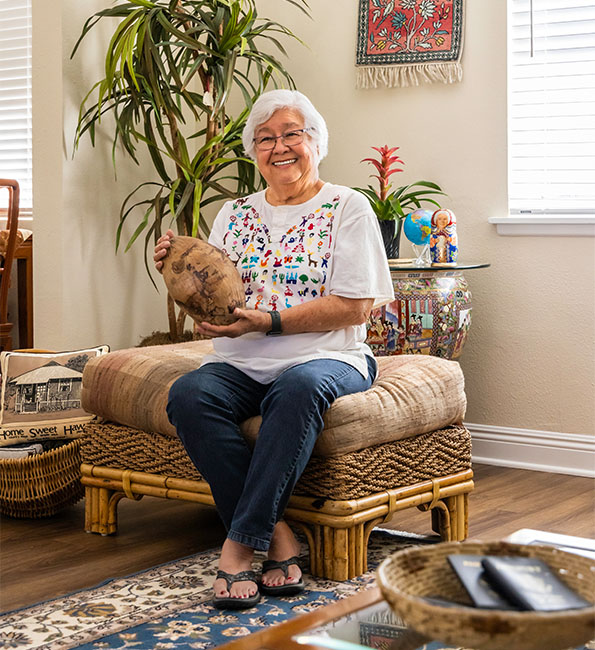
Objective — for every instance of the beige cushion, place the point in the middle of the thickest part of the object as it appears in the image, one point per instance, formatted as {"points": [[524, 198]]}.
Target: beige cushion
{"points": [[413, 394]]}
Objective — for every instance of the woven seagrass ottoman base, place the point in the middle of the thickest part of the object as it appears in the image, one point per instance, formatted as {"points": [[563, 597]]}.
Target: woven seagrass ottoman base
{"points": [[337, 502]]}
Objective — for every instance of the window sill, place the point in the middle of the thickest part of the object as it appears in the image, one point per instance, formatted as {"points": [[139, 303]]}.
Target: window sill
{"points": [[545, 226], [25, 219]]}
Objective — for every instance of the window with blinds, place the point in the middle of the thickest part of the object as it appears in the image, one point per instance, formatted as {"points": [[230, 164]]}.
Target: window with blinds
{"points": [[551, 116], [15, 99]]}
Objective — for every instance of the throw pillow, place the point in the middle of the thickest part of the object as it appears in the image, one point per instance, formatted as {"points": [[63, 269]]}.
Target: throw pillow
{"points": [[41, 395]]}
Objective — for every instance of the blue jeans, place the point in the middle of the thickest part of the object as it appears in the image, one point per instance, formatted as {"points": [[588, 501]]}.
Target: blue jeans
{"points": [[251, 488]]}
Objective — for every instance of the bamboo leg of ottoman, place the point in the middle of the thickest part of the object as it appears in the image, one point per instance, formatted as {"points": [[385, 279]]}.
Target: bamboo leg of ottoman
{"points": [[101, 510], [450, 518], [458, 507], [102, 497], [437, 522], [337, 553], [105, 486]]}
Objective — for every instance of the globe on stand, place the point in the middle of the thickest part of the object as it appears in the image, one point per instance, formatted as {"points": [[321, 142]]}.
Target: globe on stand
{"points": [[417, 228]]}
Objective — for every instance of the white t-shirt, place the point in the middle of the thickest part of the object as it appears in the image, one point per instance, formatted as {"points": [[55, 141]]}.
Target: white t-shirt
{"points": [[289, 254]]}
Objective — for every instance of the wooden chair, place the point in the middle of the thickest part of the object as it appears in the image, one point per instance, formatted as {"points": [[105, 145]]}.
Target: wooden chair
{"points": [[6, 259]]}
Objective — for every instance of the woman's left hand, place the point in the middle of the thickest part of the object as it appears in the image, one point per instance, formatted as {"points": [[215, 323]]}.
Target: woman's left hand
{"points": [[249, 320]]}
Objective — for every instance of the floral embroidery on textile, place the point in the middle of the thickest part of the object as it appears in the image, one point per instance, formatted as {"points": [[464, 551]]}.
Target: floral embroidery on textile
{"points": [[405, 42], [280, 272]]}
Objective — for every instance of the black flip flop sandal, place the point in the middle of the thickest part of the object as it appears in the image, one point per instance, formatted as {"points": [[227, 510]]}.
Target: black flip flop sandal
{"points": [[281, 590], [228, 602]]}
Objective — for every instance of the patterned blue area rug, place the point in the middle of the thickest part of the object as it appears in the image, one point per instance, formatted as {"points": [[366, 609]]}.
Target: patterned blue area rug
{"points": [[168, 607]]}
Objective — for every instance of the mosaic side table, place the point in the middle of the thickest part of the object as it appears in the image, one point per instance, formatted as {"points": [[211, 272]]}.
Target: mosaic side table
{"points": [[431, 313]]}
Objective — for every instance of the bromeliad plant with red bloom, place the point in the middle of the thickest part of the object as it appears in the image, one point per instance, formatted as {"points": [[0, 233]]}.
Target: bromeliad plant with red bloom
{"points": [[396, 205], [384, 167]]}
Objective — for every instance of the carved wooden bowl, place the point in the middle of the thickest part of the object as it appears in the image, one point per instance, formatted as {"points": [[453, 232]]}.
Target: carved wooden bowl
{"points": [[203, 281]]}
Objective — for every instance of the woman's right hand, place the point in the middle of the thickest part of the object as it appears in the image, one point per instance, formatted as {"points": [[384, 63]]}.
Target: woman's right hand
{"points": [[162, 248]]}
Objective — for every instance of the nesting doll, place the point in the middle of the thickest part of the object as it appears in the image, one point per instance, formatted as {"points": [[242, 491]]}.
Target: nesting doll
{"points": [[444, 247]]}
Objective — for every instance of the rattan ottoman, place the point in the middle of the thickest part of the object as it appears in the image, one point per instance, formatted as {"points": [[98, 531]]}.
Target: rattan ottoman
{"points": [[399, 445]]}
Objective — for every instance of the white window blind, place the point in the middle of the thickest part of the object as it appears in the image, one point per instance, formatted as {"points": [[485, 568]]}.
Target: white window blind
{"points": [[551, 119], [15, 99]]}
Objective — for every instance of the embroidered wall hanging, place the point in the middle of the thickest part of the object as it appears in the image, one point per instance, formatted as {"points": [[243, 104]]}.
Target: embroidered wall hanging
{"points": [[403, 42]]}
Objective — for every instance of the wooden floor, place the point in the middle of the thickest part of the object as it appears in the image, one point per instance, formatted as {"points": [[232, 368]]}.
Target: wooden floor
{"points": [[44, 558]]}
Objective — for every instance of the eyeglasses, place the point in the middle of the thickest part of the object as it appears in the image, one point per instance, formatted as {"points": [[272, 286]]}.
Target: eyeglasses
{"points": [[289, 139]]}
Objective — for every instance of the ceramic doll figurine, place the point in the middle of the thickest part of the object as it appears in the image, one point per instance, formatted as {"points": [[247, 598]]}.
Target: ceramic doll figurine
{"points": [[443, 239]]}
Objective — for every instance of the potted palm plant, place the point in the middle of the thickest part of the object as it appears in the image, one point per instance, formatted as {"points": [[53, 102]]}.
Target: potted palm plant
{"points": [[171, 67], [391, 208]]}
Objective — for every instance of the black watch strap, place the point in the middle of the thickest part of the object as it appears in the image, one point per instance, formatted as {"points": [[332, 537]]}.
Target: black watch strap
{"points": [[275, 324]]}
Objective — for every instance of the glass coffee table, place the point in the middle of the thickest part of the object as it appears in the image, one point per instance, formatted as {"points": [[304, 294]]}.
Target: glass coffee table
{"points": [[369, 626], [359, 622]]}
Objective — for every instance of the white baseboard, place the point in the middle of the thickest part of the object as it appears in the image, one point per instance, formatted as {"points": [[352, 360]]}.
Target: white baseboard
{"points": [[543, 451]]}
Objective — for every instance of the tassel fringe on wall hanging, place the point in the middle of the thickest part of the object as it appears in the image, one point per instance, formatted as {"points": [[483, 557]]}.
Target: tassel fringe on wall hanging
{"points": [[406, 42]]}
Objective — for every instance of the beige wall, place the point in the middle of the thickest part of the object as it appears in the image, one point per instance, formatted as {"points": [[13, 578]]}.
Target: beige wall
{"points": [[85, 294], [529, 362]]}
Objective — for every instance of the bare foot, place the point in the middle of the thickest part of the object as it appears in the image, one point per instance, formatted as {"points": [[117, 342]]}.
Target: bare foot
{"points": [[283, 546], [234, 558]]}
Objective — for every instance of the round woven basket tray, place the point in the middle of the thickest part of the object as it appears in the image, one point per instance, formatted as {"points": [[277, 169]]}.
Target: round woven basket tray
{"points": [[409, 575]]}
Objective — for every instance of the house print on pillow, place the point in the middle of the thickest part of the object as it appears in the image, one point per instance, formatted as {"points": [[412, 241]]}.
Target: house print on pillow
{"points": [[52, 387], [41, 395]]}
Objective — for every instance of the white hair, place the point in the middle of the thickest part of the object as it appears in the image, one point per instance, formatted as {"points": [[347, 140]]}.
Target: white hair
{"points": [[273, 100]]}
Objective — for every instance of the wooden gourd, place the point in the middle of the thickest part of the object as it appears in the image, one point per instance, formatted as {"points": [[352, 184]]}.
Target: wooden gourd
{"points": [[203, 281]]}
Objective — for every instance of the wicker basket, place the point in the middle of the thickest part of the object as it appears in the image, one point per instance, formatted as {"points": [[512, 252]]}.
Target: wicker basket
{"points": [[407, 576], [41, 485]]}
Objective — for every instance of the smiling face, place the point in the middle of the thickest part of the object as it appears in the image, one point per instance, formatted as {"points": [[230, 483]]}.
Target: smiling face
{"points": [[288, 171], [442, 221]]}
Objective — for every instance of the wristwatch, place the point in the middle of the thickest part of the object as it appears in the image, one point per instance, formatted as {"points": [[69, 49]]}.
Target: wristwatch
{"points": [[275, 324]]}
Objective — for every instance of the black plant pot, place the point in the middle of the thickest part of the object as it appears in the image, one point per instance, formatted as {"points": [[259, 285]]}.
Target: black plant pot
{"points": [[391, 236]]}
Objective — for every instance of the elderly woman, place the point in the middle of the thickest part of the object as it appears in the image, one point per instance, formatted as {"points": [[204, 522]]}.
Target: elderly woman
{"points": [[313, 264]]}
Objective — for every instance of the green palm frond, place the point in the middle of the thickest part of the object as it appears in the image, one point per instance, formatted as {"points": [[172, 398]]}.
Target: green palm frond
{"points": [[170, 68]]}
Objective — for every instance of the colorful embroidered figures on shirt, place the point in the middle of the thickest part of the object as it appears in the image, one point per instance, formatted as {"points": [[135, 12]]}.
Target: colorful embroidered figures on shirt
{"points": [[297, 262]]}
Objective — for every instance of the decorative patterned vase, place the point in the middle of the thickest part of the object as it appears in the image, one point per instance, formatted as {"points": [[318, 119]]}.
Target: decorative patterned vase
{"points": [[431, 314], [391, 236]]}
